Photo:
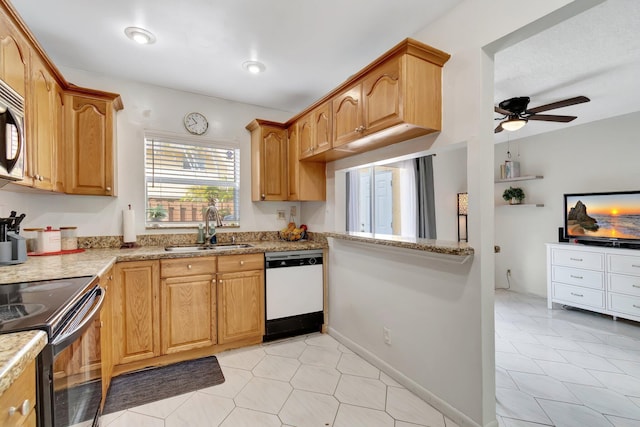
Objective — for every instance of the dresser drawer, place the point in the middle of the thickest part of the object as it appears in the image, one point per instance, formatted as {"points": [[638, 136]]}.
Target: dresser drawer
{"points": [[22, 390], [624, 304], [578, 295], [576, 276], [624, 284], [626, 264], [187, 266], [579, 259], [231, 263]]}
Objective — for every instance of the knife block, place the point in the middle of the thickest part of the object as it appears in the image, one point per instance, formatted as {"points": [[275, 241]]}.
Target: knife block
{"points": [[18, 252]]}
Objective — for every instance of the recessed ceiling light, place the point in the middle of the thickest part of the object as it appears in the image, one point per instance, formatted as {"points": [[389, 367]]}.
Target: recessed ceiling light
{"points": [[140, 35], [254, 67]]}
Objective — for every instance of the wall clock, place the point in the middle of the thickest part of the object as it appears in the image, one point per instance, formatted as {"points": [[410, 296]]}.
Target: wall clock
{"points": [[196, 123]]}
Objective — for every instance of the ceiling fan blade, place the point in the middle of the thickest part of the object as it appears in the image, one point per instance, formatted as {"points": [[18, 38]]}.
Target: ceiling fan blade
{"points": [[502, 111], [498, 128], [552, 118], [559, 104]]}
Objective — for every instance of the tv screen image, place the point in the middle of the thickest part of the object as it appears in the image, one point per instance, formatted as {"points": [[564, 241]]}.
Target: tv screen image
{"points": [[613, 216]]}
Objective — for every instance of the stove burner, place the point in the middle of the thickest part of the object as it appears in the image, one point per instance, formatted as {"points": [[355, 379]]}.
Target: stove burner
{"points": [[11, 312]]}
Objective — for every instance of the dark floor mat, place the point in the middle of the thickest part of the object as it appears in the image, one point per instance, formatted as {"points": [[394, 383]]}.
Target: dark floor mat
{"points": [[142, 387]]}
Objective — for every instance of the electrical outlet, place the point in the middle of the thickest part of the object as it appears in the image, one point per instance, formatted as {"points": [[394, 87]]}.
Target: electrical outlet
{"points": [[386, 334], [281, 215], [293, 211]]}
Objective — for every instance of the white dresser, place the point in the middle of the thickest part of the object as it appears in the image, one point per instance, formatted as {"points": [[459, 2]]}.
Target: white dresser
{"points": [[601, 279]]}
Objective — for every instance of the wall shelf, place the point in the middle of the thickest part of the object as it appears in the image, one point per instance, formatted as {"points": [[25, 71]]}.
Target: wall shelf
{"points": [[520, 178]]}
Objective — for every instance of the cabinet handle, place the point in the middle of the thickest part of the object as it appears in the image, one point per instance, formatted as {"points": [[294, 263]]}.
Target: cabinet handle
{"points": [[108, 188], [576, 259], [241, 262], [110, 277], [189, 266], [262, 196], [41, 178], [577, 295], [24, 408], [576, 277]]}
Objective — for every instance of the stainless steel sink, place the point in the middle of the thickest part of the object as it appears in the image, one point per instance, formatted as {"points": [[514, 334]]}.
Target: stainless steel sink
{"points": [[217, 247]]}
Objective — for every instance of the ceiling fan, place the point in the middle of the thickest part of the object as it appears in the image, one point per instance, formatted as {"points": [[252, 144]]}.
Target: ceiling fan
{"points": [[516, 114]]}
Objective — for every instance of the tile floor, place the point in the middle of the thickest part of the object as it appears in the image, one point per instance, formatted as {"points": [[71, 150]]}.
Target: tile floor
{"points": [[304, 382], [563, 367]]}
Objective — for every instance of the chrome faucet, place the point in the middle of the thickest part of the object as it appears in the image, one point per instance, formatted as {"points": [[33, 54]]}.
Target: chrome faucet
{"points": [[211, 213]]}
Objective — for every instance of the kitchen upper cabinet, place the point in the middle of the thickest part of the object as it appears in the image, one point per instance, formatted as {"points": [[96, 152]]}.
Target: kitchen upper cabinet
{"points": [[136, 311], [41, 132], [188, 314], [347, 116], [89, 131], [382, 97], [268, 160], [240, 298], [307, 180], [14, 57], [315, 132]]}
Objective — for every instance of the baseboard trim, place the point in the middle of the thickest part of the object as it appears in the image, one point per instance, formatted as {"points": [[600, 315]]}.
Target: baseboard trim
{"points": [[449, 411]]}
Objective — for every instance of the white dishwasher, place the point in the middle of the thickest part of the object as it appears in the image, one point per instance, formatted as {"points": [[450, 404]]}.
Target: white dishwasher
{"points": [[294, 293]]}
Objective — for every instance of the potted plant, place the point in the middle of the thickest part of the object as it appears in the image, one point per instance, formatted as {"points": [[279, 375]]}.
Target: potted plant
{"points": [[157, 213], [513, 195]]}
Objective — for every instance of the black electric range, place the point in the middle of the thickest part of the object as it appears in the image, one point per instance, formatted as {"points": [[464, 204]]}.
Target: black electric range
{"points": [[40, 304]]}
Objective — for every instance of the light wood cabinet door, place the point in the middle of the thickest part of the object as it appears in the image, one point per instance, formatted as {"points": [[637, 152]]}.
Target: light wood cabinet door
{"points": [[305, 136], [41, 150], [382, 97], [14, 58], [188, 313], [294, 163], [347, 116], [269, 161], [106, 334], [23, 389], [90, 156], [136, 311], [322, 128], [307, 180], [241, 306]]}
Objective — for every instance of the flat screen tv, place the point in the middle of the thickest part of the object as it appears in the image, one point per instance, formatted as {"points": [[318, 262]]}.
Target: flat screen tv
{"points": [[611, 219]]}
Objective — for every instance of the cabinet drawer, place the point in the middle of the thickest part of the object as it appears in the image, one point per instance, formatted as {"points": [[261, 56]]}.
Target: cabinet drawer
{"points": [[576, 276], [580, 259], [624, 304], [24, 388], [578, 295], [620, 283], [187, 266], [247, 262], [626, 264]]}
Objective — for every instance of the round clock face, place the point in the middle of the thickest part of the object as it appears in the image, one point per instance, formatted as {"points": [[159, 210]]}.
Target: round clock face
{"points": [[196, 123]]}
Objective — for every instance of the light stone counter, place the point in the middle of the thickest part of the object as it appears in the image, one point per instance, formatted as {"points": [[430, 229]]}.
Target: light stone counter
{"points": [[454, 251], [17, 350], [93, 262]]}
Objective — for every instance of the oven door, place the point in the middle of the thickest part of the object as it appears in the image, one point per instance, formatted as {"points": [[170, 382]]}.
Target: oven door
{"points": [[75, 388]]}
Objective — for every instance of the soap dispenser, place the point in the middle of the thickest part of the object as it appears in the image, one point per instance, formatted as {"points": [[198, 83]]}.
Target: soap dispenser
{"points": [[200, 239]]}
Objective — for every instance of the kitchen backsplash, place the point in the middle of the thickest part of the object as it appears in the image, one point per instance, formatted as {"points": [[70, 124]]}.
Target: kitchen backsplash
{"points": [[184, 239]]}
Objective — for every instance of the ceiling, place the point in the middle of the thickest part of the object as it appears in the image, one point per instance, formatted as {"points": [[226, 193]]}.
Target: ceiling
{"points": [[309, 48], [595, 54]]}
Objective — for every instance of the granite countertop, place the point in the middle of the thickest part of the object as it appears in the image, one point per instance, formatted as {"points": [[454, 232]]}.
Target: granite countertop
{"points": [[17, 350], [458, 251], [93, 262]]}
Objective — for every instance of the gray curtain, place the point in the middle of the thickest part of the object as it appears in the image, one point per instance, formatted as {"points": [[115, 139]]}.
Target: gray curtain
{"points": [[352, 201], [426, 212]]}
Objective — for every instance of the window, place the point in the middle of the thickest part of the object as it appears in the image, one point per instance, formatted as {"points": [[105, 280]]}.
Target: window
{"points": [[395, 199], [184, 177]]}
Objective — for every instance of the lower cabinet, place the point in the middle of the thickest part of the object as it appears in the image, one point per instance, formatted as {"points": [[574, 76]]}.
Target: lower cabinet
{"points": [[188, 312], [21, 396], [240, 298], [106, 334], [136, 311]]}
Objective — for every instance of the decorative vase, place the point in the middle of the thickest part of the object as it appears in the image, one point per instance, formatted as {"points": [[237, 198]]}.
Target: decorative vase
{"points": [[515, 201]]}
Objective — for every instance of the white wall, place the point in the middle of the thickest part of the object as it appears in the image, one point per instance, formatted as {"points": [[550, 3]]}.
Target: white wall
{"points": [[597, 156], [159, 109]]}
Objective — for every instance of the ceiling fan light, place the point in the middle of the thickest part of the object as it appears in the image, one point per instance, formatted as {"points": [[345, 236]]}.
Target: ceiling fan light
{"points": [[513, 123], [140, 35]]}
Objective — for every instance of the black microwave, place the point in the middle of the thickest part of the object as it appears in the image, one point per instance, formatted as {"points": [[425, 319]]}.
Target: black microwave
{"points": [[12, 143]]}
